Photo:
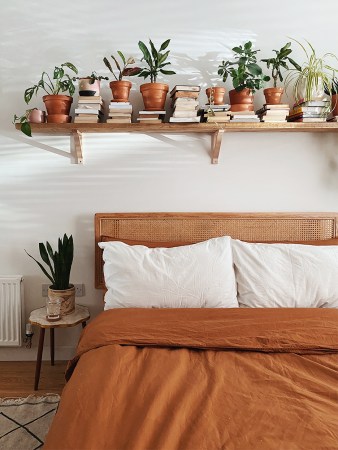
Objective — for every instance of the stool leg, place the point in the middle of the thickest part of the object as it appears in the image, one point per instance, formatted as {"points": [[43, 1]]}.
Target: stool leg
{"points": [[52, 346], [38, 359]]}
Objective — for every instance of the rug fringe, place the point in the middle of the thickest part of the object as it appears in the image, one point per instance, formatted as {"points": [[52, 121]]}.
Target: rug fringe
{"points": [[50, 397]]}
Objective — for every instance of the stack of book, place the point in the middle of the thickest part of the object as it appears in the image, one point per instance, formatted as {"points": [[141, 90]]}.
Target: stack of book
{"points": [[215, 113], [274, 113], [120, 112], [89, 109], [311, 111], [244, 116], [153, 117], [185, 103]]}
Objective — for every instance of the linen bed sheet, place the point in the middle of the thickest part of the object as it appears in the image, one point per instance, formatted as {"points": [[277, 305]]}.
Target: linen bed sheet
{"points": [[168, 379]]}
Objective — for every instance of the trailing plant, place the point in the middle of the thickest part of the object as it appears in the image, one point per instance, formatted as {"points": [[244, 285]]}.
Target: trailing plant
{"points": [[92, 78], [314, 74], [59, 263], [122, 67], [155, 60], [23, 120], [244, 71], [280, 61], [60, 81]]}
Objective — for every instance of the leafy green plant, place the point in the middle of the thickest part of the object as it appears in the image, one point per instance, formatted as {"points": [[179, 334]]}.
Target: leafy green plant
{"points": [[122, 67], [333, 87], [59, 263], [244, 71], [23, 120], [155, 60], [315, 74], [92, 78], [280, 61], [60, 81]]}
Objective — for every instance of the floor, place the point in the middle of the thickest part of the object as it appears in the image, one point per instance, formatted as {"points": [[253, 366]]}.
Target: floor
{"points": [[17, 378]]}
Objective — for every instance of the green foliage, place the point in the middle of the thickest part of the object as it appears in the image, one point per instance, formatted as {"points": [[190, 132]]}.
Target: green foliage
{"points": [[93, 77], [155, 60], [314, 74], [280, 61], [59, 263], [60, 81], [122, 67], [333, 87], [23, 120], [244, 71]]}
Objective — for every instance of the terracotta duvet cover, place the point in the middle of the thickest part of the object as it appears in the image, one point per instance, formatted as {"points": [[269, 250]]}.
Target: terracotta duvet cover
{"points": [[202, 379]]}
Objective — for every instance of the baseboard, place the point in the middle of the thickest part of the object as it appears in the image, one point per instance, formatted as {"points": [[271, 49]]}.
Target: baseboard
{"points": [[29, 354]]}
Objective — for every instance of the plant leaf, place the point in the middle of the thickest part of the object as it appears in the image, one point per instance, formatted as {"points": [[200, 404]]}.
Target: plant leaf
{"points": [[145, 52], [167, 72], [164, 45], [254, 69], [70, 66], [41, 267], [122, 56], [107, 63], [26, 129]]}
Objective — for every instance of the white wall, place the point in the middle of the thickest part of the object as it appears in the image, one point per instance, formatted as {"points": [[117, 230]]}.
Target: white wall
{"points": [[42, 195]]}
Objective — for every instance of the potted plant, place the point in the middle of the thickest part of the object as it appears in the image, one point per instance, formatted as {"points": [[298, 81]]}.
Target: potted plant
{"points": [[90, 85], [215, 95], [247, 77], [334, 94], [57, 105], [121, 88], [33, 115], [313, 77], [273, 95], [59, 264], [154, 94]]}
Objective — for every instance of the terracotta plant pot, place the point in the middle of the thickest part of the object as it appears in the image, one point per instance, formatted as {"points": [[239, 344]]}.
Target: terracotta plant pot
{"points": [[58, 104], [37, 116], [273, 96], [217, 92], [86, 88], [67, 297], [241, 100], [58, 118], [334, 105], [120, 90], [154, 96]]}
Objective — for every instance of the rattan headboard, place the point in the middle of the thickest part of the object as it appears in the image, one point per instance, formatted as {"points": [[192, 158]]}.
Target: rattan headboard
{"points": [[195, 227]]}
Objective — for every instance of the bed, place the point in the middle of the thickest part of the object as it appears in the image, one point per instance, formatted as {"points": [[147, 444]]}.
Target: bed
{"points": [[204, 378]]}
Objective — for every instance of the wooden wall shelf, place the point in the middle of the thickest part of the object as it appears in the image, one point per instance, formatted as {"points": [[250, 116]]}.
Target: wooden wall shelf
{"points": [[75, 130]]}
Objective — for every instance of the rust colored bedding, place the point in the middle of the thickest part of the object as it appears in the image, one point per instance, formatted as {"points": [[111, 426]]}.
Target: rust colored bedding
{"points": [[202, 379]]}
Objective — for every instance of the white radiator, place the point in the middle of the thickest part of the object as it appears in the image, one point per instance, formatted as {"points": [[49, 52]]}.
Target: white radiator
{"points": [[11, 310]]}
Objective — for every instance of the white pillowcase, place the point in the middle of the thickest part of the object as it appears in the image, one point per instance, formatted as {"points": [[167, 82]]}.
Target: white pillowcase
{"points": [[192, 276], [286, 275]]}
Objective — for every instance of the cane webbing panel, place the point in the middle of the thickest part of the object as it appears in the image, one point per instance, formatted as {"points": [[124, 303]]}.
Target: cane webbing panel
{"points": [[201, 226]]}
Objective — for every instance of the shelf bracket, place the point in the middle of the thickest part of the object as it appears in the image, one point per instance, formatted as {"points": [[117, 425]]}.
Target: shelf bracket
{"points": [[76, 147], [216, 142]]}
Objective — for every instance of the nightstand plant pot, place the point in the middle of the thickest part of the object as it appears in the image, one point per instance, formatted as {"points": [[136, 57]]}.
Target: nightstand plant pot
{"points": [[154, 96], [67, 297], [58, 105], [273, 96], [89, 86], [241, 100], [120, 90], [215, 95]]}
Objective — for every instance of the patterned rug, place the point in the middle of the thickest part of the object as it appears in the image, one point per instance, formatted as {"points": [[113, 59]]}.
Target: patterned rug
{"points": [[24, 422]]}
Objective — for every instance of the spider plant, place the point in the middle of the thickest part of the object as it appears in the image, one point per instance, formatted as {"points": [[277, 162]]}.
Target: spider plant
{"points": [[314, 75]]}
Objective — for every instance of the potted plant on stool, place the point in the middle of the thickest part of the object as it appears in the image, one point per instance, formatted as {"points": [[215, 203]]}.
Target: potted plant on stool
{"points": [[274, 94], [247, 77], [121, 88], [59, 264], [57, 105], [154, 94]]}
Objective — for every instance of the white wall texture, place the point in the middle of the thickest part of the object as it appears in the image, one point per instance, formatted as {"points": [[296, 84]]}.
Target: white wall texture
{"points": [[43, 196]]}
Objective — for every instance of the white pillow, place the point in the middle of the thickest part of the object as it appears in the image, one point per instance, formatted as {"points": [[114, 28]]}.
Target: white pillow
{"points": [[192, 276], [286, 275]]}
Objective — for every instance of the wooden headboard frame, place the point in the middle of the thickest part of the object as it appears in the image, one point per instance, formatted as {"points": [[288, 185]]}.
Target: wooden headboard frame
{"points": [[195, 227]]}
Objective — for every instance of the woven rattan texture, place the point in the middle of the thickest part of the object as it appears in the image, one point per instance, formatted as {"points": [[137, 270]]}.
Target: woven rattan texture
{"points": [[195, 229]]}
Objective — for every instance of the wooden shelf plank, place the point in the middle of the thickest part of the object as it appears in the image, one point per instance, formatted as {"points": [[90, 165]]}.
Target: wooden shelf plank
{"points": [[74, 130]]}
